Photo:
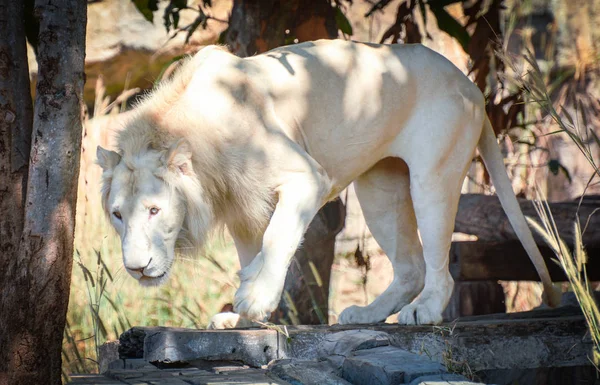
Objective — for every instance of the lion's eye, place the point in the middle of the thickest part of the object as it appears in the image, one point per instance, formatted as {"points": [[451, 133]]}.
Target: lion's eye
{"points": [[154, 210], [117, 215]]}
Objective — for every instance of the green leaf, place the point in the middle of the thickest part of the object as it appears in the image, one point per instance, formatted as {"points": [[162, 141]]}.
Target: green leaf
{"points": [[147, 8], [442, 3], [179, 4], [289, 40], [342, 22], [171, 14], [200, 20], [452, 27], [175, 19]]}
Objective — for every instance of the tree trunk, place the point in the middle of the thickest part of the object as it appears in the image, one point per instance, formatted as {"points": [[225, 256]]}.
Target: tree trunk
{"points": [[257, 27], [38, 216]]}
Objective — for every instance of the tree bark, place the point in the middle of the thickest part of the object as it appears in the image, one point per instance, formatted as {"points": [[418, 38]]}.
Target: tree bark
{"points": [[256, 27], [15, 133], [483, 216], [40, 218], [15, 129]]}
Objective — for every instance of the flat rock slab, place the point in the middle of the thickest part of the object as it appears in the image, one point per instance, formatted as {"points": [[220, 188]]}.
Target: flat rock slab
{"points": [[345, 342], [350, 354], [443, 379], [307, 372], [350, 357], [255, 347], [93, 379], [504, 343], [386, 366], [192, 376]]}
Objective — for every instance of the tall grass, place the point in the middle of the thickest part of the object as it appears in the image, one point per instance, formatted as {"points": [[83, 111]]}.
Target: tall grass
{"points": [[531, 80], [574, 266]]}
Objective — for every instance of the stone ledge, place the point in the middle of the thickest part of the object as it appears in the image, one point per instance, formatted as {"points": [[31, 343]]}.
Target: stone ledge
{"points": [[504, 343]]}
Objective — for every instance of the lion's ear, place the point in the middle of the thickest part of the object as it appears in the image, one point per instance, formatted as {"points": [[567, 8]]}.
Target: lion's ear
{"points": [[179, 157], [107, 159]]}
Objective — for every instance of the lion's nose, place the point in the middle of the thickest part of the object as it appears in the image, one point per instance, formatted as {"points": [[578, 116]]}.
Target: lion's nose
{"points": [[140, 269]]}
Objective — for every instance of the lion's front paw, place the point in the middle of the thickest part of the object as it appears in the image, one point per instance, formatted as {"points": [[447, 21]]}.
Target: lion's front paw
{"points": [[362, 315], [256, 300], [224, 321], [229, 320], [259, 293], [419, 314], [355, 315]]}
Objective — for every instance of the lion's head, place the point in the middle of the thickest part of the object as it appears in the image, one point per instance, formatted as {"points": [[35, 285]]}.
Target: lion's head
{"points": [[147, 194]]}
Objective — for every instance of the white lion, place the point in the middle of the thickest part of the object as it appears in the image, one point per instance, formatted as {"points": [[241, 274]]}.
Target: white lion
{"points": [[260, 144]]}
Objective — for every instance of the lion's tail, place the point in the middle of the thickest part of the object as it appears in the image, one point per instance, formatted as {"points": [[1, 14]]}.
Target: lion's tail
{"points": [[492, 157]]}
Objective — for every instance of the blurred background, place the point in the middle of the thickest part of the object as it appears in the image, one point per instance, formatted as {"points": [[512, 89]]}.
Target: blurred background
{"points": [[537, 62]]}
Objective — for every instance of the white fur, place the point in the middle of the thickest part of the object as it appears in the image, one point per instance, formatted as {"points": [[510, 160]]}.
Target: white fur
{"points": [[260, 144]]}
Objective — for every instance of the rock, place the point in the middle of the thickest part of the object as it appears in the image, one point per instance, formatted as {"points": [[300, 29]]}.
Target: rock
{"points": [[387, 365], [131, 343], [345, 342], [307, 372], [252, 347], [129, 363], [92, 379], [108, 352], [443, 379]]}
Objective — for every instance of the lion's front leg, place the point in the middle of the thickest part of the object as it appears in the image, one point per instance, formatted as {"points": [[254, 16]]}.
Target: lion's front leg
{"points": [[262, 280]]}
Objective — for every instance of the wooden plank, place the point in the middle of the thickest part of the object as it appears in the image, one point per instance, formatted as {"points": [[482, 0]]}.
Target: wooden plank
{"points": [[483, 216], [491, 261]]}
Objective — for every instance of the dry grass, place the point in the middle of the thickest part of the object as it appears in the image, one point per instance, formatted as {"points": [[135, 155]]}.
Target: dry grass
{"points": [[528, 76], [574, 266]]}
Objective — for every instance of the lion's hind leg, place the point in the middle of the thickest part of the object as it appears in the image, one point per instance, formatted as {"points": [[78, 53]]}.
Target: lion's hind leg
{"points": [[384, 195], [435, 189]]}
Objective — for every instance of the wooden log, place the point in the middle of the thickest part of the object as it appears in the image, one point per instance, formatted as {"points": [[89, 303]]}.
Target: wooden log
{"points": [[483, 216], [490, 261]]}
